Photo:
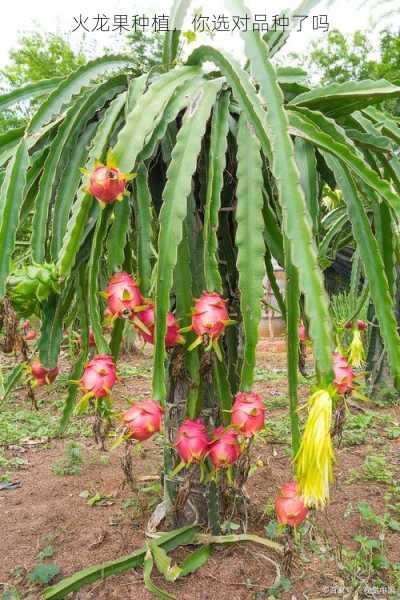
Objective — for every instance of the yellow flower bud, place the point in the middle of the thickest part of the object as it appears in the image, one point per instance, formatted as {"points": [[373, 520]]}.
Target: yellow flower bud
{"points": [[356, 353]]}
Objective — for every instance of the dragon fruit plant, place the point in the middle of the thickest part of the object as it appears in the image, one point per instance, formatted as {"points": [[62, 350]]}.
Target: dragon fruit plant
{"points": [[230, 171]]}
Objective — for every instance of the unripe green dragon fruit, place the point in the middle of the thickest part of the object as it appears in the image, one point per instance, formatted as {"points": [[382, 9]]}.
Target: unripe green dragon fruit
{"points": [[31, 285]]}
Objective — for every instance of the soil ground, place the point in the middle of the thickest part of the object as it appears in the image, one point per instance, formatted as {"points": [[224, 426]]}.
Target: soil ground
{"points": [[350, 550]]}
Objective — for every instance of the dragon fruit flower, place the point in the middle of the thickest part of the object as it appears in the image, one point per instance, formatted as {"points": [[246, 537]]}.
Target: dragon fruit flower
{"points": [[192, 441], [248, 413], [224, 448], [289, 506], [123, 296], [106, 182], [41, 375], [143, 419], [356, 351], [315, 457], [99, 376]]}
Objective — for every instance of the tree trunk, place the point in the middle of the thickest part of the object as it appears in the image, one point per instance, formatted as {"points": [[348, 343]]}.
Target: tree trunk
{"points": [[380, 378], [186, 498]]}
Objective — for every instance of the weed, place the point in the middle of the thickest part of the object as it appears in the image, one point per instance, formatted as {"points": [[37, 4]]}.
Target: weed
{"points": [[128, 370], [97, 498], [269, 509], [356, 428], [384, 521], [46, 552], [393, 433], [278, 430], [263, 374], [374, 468], [387, 396], [150, 494], [364, 565], [20, 423], [369, 564], [43, 573], [100, 458], [11, 594], [12, 463], [277, 402], [276, 590], [71, 463]]}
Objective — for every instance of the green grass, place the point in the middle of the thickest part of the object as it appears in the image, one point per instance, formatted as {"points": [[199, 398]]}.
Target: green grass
{"points": [[387, 396], [129, 370], [18, 423], [72, 461], [264, 374], [374, 468], [356, 428], [278, 430], [277, 402]]}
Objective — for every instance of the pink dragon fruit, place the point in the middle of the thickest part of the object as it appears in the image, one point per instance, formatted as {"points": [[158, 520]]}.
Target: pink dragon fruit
{"points": [[123, 296], [344, 374], [248, 413], [41, 375], [289, 506], [99, 376], [192, 441], [91, 340], [106, 182], [224, 448], [146, 317], [361, 325], [210, 315], [173, 336], [143, 419], [29, 334]]}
